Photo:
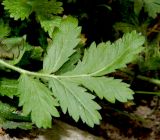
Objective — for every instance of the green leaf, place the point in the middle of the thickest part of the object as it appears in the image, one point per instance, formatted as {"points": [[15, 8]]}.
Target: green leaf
{"points": [[37, 53], [152, 7], [12, 49], [107, 57], [18, 9], [37, 99], [6, 111], [76, 100], [8, 87], [108, 88], [4, 29], [9, 113], [2, 121], [14, 125], [64, 41], [124, 27], [14, 41], [50, 24], [70, 64], [8, 118], [46, 8], [138, 5]]}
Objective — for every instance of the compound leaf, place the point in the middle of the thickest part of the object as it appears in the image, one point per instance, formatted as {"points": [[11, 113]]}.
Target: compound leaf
{"points": [[76, 100], [37, 99], [69, 85], [107, 57], [64, 41]]}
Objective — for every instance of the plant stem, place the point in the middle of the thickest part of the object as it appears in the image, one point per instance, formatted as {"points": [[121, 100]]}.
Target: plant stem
{"points": [[147, 92], [22, 71], [144, 78], [12, 67], [150, 80]]}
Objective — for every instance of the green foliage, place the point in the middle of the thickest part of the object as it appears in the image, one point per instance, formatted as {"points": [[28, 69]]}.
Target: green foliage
{"points": [[45, 11], [50, 24], [104, 86], [19, 9], [150, 6], [69, 79], [36, 53], [107, 57], [124, 27], [8, 87], [10, 119], [14, 125], [37, 98], [65, 40], [151, 59], [13, 49], [70, 64], [138, 4], [76, 100], [4, 29], [149, 27]]}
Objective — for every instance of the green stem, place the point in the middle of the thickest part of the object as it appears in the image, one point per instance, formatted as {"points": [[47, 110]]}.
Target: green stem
{"points": [[12, 67], [148, 92], [22, 71], [144, 78], [150, 80]]}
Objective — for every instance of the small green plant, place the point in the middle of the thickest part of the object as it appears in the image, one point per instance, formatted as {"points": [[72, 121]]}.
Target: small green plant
{"points": [[148, 25], [65, 80]]}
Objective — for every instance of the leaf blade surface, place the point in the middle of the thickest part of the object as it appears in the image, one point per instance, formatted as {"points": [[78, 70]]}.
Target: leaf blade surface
{"points": [[108, 88], [64, 42], [76, 101], [37, 100], [107, 57]]}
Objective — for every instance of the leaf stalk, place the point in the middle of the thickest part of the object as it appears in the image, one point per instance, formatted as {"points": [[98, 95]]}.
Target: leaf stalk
{"points": [[37, 74]]}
